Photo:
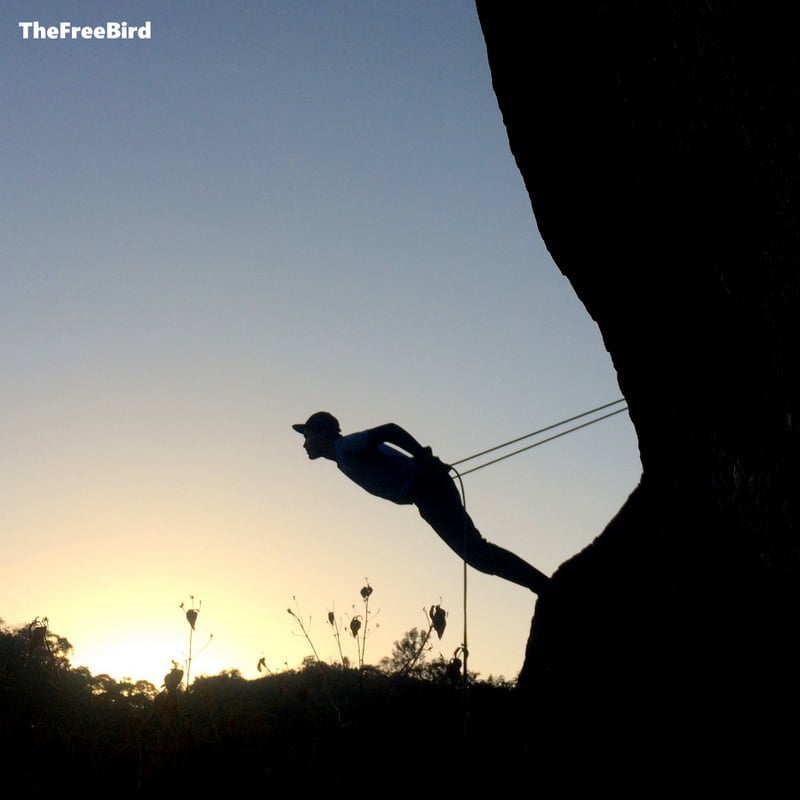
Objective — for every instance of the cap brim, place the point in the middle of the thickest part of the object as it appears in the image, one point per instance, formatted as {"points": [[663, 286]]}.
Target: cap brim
{"points": [[299, 427]]}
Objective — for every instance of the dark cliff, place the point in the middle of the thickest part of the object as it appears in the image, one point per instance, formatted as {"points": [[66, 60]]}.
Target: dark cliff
{"points": [[659, 146]]}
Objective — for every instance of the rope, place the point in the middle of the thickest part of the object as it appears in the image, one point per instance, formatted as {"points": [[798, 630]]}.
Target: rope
{"points": [[541, 430], [536, 444], [465, 654], [459, 475]]}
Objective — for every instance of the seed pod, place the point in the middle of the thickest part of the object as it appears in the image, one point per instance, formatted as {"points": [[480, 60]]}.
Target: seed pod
{"points": [[355, 625], [366, 591], [438, 619], [191, 616], [453, 670], [172, 680]]}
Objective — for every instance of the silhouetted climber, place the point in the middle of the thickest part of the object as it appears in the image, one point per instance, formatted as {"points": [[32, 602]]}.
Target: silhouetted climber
{"points": [[419, 478]]}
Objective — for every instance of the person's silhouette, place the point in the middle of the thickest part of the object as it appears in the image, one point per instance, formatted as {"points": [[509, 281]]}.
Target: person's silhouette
{"points": [[416, 477]]}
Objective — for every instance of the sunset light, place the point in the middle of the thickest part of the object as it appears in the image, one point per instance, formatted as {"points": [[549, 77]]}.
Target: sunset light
{"points": [[251, 213]]}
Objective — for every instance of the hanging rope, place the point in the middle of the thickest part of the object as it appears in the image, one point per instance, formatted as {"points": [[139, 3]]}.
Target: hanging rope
{"points": [[458, 476], [541, 430], [542, 441], [465, 652]]}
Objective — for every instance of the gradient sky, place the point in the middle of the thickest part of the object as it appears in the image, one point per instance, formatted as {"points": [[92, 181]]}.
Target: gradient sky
{"points": [[267, 209]]}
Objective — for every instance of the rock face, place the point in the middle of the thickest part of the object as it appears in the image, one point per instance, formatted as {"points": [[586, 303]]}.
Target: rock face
{"points": [[659, 145]]}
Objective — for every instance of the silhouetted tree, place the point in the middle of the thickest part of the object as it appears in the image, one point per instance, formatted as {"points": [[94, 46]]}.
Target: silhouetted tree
{"points": [[408, 654]]}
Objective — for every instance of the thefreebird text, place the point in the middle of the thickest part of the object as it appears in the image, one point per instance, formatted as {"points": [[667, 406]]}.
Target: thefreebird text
{"points": [[66, 30]]}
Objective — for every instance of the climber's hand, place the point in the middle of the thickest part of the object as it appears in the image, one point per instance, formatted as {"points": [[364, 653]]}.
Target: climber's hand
{"points": [[429, 462]]}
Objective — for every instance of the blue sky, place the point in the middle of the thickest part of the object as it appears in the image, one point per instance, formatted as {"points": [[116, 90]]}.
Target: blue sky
{"points": [[267, 209]]}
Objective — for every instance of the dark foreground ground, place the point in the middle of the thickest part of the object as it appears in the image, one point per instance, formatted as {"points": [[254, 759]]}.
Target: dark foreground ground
{"points": [[321, 729]]}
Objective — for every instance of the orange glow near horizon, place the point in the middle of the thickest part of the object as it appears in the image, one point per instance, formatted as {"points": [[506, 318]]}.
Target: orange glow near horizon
{"points": [[195, 257]]}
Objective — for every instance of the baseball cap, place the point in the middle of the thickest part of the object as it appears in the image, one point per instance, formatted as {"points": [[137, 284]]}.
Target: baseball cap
{"points": [[320, 421]]}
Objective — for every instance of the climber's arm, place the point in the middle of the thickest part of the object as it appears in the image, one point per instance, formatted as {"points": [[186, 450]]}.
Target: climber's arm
{"points": [[397, 436]]}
